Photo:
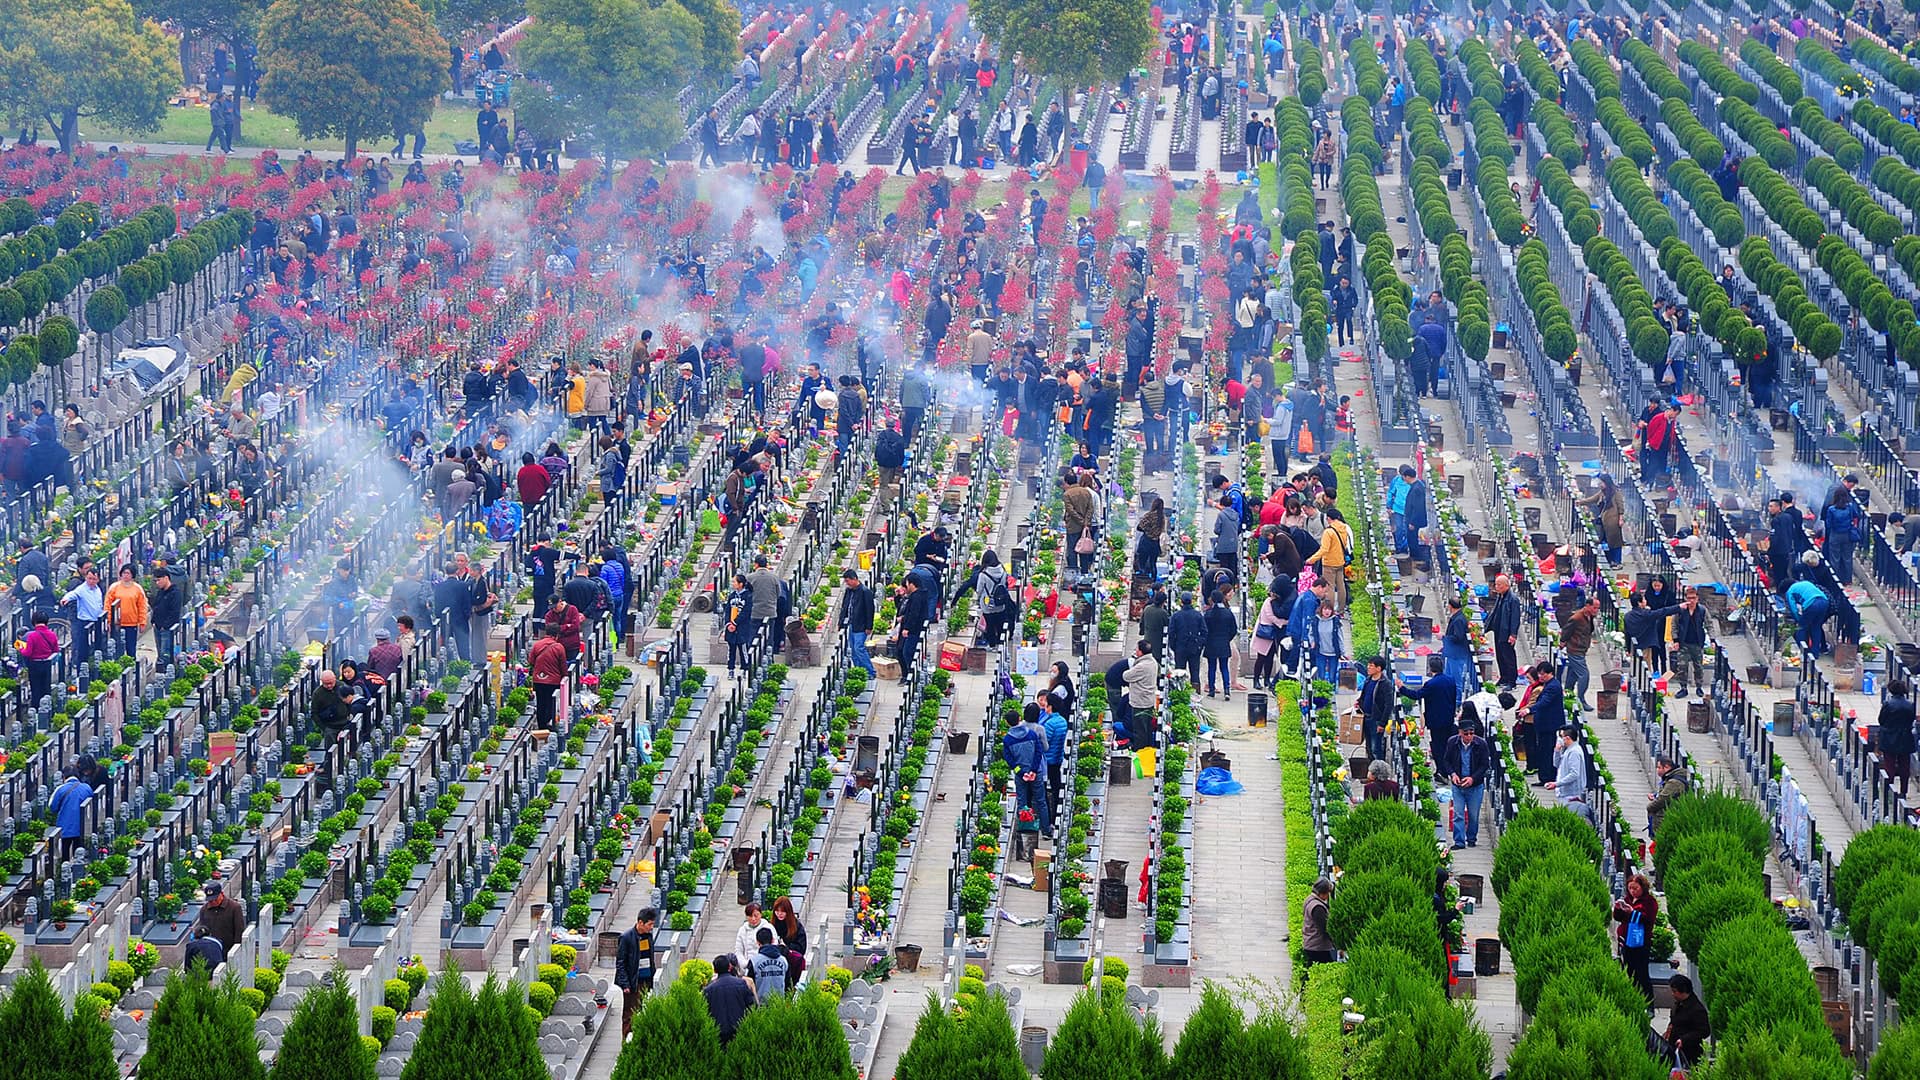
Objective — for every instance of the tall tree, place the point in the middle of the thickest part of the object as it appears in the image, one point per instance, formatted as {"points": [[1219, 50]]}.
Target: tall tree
{"points": [[62, 61], [613, 67], [1081, 41], [358, 69], [323, 1041], [228, 21], [199, 1030]]}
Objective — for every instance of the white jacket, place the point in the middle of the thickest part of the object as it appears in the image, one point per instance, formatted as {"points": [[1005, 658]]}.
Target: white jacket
{"points": [[746, 943]]}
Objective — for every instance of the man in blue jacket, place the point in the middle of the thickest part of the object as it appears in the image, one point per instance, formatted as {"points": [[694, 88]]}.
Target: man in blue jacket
{"points": [[1810, 606], [1466, 762], [1439, 698], [1024, 747], [1549, 713], [69, 809], [1300, 623], [1054, 726]]}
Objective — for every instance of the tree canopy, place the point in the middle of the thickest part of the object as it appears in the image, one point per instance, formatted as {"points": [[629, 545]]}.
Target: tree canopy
{"points": [[613, 68], [62, 61], [1081, 41], [357, 69], [231, 21]]}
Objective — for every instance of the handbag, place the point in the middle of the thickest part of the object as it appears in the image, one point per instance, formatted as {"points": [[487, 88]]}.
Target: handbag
{"points": [[1084, 545], [1636, 931], [1267, 632]]}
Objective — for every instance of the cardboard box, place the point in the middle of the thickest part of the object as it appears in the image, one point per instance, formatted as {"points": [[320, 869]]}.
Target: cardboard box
{"points": [[886, 667], [1350, 729]]}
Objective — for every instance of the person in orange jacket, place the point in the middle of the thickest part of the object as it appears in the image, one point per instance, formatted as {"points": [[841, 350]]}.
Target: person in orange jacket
{"points": [[127, 602]]}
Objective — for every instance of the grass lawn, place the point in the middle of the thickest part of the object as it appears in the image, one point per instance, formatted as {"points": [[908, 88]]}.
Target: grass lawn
{"points": [[259, 127]]}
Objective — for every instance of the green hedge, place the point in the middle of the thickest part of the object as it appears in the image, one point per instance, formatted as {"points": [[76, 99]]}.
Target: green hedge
{"points": [[1716, 74], [1311, 78], [1834, 138], [1549, 312], [1424, 135], [1780, 75], [1423, 69], [1888, 64], [1720, 217], [1878, 887], [1369, 78], [1562, 140], [1758, 131], [1626, 132], [1482, 73], [1643, 207], [1887, 128], [1870, 296], [1854, 201], [1596, 68], [1702, 145], [1897, 179], [1753, 979], [1653, 69], [1535, 68], [1811, 327], [1489, 133], [1645, 336]]}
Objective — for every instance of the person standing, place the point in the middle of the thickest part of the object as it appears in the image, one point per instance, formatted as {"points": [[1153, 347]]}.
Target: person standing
{"points": [[1635, 913], [1143, 696], [37, 650], [710, 140], [1547, 709], [1896, 733], [1222, 632], [68, 808], [1503, 626], [1675, 780], [128, 602], [728, 996], [1466, 762], [1024, 749], [1376, 705], [89, 608], [223, 916], [1576, 637], [765, 612], [736, 614], [769, 965], [1226, 535], [856, 618], [1689, 627], [1569, 781], [547, 665], [1690, 1025], [1846, 525], [633, 966], [1787, 540], [916, 611], [1439, 700], [1316, 945], [166, 607]]}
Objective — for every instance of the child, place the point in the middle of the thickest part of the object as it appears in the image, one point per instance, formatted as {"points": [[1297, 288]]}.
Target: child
{"points": [[1343, 416], [1327, 646]]}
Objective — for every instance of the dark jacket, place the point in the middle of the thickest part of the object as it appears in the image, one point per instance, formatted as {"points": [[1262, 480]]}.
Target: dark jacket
{"points": [[1439, 697], [728, 999], [1222, 630], [1550, 707], [1154, 620], [165, 605], [1896, 727], [1690, 1028], [1503, 619], [1690, 629], [1459, 759], [207, 950], [856, 610], [633, 960], [1189, 632], [224, 923], [330, 712], [1376, 705], [1644, 625]]}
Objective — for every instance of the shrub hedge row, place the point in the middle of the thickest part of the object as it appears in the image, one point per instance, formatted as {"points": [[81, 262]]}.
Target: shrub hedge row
{"points": [[1779, 74], [1820, 335], [1833, 137], [1555, 917], [1753, 979], [1716, 74], [1626, 132], [1721, 217], [1854, 201], [1596, 68]]}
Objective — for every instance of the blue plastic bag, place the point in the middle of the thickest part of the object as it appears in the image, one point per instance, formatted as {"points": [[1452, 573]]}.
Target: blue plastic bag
{"points": [[1217, 781]]}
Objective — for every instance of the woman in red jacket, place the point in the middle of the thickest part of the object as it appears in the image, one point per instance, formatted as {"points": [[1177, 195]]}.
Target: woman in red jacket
{"points": [[1635, 914]]}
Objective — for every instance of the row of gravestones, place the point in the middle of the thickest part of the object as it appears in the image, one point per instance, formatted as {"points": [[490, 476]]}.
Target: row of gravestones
{"points": [[565, 1036]]}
